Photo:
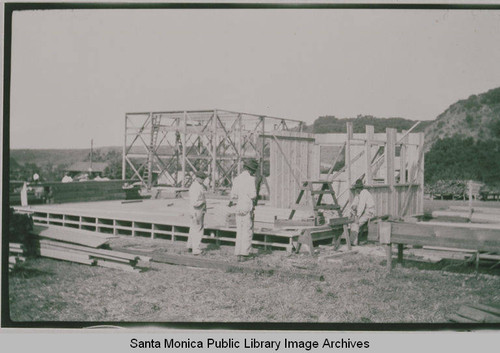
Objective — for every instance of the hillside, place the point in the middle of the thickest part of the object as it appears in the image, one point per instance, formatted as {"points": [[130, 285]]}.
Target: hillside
{"points": [[331, 124], [477, 116]]}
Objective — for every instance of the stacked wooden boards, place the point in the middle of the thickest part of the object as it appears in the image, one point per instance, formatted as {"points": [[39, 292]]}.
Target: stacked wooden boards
{"points": [[477, 313], [16, 255], [81, 246]]}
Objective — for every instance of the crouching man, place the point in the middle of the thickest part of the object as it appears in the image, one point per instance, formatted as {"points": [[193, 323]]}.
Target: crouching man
{"points": [[198, 206], [243, 193], [362, 209]]}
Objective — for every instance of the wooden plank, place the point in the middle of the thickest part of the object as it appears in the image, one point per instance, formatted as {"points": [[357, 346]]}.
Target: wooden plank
{"points": [[385, 232], [477, 315], [390, 152], [460, 319], [110, 253], [480, 235], [228, 267], [369, 129], [337, 255], [487, 308], [63, 255], [462, 225], [117, 266], [466, 216], [287, 223], [489, 210], [87, 254], [70, 235]]}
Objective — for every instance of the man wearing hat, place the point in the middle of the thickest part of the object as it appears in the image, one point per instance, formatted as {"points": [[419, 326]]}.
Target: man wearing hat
{"points": [[198, 205], [363, 208], [243, 193]]}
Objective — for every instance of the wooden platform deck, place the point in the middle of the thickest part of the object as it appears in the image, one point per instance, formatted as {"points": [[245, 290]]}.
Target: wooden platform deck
{"points": [[164, 219]]}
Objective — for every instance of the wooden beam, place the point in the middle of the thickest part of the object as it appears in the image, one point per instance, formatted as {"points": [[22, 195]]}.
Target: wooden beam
{"points": [[368, 153], [402, 159], [92, 251], [390, 151], [66, 256], [228, 267], [479, 239], [348, 158], [70, 235], [417, 176]]}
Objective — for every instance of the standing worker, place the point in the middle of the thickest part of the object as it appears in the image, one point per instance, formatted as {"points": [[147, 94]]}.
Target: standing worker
{"points": [[198, 205], [362, 208], [243, 193]]}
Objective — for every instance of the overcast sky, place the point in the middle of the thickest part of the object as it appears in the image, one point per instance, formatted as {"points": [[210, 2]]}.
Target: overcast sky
{"points": [[76, 73]]}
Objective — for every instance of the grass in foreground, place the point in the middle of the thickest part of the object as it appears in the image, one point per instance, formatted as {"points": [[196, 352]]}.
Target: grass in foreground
{"points": [[356, 289]]}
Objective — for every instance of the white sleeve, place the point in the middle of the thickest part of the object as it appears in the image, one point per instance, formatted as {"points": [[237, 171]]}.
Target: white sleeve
{"points": [[252, 191], [362, 203]]}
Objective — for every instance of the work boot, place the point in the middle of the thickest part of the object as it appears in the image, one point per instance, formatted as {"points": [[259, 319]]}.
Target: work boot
{"points": [[354, 238]]}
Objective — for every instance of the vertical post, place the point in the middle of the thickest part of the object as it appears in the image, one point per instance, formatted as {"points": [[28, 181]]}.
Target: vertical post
{"points": [[368, 152], [388, 253], [150, 152], [240, 143], [214, 150], [124, 165], [183, 141], [402, 159], [389, 155], [420, 172], [400, 253], [348, 159], [262, 145]]}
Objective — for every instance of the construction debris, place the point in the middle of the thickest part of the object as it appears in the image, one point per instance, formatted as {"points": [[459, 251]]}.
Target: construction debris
{"points": [[193, 261]]}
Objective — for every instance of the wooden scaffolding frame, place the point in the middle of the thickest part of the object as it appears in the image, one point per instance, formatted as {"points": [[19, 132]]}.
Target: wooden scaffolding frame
{"points": [[175, 144], [400, 190]]}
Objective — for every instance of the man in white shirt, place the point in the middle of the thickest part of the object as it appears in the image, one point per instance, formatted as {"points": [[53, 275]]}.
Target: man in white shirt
{"points": [[198, 206], [243, 194], [362, 208]]}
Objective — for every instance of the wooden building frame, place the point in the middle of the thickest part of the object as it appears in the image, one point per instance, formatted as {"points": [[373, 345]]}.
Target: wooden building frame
{"points": [[175, 144], [391, 165]]}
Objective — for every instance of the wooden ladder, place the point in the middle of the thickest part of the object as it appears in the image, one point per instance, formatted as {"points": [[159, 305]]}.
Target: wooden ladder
{"points": [[316, 196]]}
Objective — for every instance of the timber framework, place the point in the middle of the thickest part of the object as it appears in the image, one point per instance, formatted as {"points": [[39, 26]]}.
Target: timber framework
{"points": [[169, 147]]}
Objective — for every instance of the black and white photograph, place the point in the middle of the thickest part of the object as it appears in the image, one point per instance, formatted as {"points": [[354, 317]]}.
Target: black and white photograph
{"points": [[252, 166]]}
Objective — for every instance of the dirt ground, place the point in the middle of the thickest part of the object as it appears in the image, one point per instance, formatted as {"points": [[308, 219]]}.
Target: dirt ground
{"points": [[356, 289]]}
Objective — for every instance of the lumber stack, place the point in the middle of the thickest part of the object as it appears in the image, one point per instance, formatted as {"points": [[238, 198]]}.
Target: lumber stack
{"points": [[83, 247], [16, 255], [477, 313]]}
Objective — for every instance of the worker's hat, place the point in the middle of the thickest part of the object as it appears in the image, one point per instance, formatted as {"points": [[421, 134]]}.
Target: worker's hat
{"points": [[200, 174], [358, 185], [251, 164]]}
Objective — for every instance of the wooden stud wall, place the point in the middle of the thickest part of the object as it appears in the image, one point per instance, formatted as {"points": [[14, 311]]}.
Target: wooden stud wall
{"points": [[393, 196]]}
